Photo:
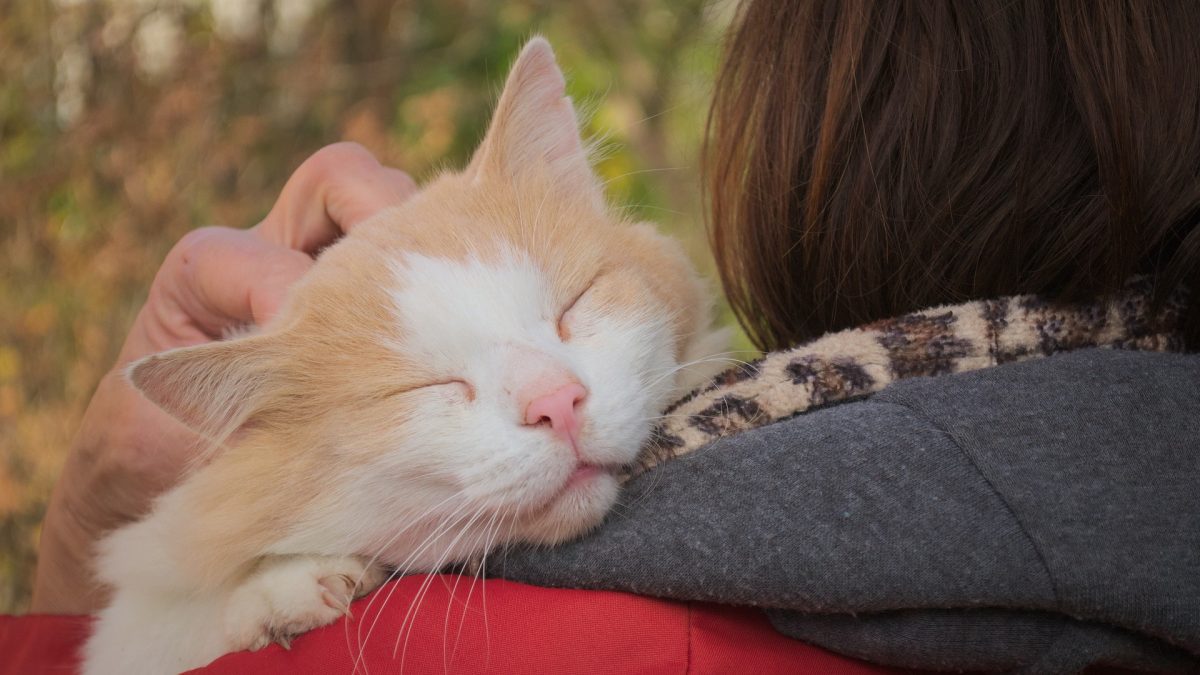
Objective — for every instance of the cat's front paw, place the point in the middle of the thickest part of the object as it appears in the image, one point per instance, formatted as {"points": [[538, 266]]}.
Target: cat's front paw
{"points": [[287, 596]]}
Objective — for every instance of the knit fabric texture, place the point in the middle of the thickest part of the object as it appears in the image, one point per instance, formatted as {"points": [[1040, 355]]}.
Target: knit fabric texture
{"points": [[949, 339]]}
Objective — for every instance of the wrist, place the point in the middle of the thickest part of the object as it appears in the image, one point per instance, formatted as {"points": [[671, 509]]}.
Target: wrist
{"points": [[102, 487], [65, 581]]}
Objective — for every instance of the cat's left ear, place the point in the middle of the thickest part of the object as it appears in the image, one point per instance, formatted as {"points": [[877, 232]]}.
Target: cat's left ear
{"points": [[535, 126], [212, 388]]}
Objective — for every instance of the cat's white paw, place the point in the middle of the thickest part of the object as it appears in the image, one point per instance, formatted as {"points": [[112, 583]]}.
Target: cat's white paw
{"points": [[288, 596]]}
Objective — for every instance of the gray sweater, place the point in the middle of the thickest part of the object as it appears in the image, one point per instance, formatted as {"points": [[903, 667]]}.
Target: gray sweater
{"points": [[1040, 517]]}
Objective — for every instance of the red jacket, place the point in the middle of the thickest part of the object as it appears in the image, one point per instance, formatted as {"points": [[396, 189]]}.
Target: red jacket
{"points": [[506, 628]]}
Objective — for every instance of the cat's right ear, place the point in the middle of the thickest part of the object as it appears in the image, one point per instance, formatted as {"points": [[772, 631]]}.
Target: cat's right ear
{"points": [[212, 388], [535, 125]]}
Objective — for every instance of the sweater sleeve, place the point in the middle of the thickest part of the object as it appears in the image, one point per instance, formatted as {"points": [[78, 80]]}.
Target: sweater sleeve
{"points": [[1055, 487]]}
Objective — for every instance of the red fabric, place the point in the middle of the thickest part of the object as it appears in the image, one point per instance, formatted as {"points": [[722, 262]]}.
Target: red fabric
{"points": [[500, 627], [40, 643]]}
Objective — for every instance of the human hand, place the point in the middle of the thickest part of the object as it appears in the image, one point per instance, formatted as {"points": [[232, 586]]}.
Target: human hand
{"points": [[127, 451]]}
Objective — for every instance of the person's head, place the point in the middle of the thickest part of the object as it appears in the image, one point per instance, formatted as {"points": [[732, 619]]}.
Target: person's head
{"points": [[866, 159]]}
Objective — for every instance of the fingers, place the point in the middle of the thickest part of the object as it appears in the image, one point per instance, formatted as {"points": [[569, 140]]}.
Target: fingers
{"points": [[217, 278], [332, 191]]}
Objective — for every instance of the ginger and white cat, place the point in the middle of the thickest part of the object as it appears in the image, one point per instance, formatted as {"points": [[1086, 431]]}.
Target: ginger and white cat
{"points": [[465, 370]]}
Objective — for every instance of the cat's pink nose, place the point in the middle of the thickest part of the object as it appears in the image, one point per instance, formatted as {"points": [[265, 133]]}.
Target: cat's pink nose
{"points": [[558, 409]]}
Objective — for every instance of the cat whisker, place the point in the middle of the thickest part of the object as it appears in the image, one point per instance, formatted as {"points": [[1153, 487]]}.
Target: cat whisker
{"points": [[383, 548], [670, 416], [504, 542], [400, 571], [371, 562], [722, 356], [415, 521], [641, 171], [454, 594], [727, 355], [489, 533], [415, 605], [423, 590], [691, 364], [508, 536], [651, 207], [655, 479]]}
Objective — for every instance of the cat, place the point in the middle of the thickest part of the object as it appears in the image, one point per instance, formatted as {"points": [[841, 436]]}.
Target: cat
{"points": [[468, 369]]}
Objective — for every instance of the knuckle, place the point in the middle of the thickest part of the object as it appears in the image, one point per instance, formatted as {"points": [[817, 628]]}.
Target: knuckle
{"points": [[337, 156], [186, 255], [195, 242]]}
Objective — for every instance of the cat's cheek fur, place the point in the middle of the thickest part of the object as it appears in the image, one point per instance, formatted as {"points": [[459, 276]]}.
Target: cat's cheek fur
{"points": [[577, 512]]}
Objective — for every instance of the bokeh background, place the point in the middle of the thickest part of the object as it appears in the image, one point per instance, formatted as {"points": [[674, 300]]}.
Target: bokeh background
{"points": [[125, 123]]}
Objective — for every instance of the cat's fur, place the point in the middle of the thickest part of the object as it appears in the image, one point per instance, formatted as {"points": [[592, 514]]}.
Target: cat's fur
{"points": [[378, 420]]}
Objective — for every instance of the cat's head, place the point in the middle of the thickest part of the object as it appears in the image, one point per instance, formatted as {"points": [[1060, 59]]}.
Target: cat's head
{"points": [[493, 349]]}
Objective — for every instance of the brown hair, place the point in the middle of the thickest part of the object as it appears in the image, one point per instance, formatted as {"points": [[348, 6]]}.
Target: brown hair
{"points": [[866, 159]]}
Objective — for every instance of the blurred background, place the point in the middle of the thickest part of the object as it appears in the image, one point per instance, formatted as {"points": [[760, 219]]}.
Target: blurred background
{"points": [[125, 123]]}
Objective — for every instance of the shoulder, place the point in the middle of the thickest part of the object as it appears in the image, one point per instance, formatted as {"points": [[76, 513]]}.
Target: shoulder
{"points": [[1094, 405], [1100, 395]]}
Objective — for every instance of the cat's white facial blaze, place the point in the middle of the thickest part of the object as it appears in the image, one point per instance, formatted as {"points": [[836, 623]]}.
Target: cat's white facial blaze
{"points": [[492, 332]]}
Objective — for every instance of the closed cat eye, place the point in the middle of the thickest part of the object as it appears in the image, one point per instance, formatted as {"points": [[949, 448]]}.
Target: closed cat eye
{"points": [[468, 389], [564, 333]]}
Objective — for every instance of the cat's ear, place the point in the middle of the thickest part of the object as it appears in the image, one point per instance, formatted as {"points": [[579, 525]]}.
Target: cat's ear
{"points": [[535, 124], [212, 388]]}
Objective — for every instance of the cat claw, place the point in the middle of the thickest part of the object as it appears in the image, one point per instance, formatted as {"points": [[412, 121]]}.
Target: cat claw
{"points": [[337, 592], [336, 603], [292, 596]]}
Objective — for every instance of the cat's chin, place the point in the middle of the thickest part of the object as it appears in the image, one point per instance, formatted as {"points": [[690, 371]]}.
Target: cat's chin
{"points": [[577, 508]]}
